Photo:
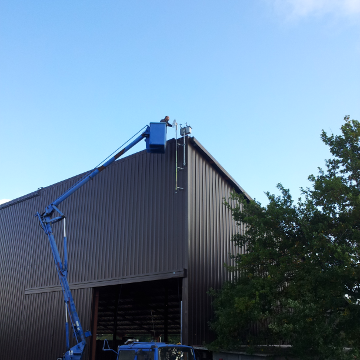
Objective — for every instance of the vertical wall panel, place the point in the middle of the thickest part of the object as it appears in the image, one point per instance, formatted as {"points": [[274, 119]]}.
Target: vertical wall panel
{"points": [[210, 229], [43, 333]]}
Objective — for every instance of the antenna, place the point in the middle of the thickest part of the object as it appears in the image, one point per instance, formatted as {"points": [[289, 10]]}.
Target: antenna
{"points": [[185, 131], [175, 124]]}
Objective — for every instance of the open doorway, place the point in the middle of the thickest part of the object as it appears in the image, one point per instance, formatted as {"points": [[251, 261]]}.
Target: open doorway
{"points": [[147, 311]]}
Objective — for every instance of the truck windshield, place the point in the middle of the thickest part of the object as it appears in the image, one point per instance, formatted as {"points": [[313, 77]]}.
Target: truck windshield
{"points": [[126, 354], [145, 355], [175, 353]]}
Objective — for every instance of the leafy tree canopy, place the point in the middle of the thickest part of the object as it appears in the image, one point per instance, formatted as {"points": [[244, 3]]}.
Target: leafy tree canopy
{"points": [[297, 269]]}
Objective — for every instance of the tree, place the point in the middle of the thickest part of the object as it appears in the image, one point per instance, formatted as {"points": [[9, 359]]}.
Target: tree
{"points": [[297, 272]]}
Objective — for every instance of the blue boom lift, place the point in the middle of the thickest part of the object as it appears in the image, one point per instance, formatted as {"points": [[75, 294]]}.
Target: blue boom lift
{"points": [[155, 137]]}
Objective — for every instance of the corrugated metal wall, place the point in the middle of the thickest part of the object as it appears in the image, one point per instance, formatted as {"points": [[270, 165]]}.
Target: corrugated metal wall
{"points": [[210, 229], [43, 330], [15, 263], [127, 222]]}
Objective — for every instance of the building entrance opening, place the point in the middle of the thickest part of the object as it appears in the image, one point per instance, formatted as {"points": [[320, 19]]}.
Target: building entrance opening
{"points": [[146, 311]]}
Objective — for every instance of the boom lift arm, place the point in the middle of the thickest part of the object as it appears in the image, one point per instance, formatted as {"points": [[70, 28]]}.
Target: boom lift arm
{"points": [[155, 136]]}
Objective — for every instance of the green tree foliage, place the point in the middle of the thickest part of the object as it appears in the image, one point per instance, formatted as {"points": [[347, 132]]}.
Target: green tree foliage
{"points": [[297, 271]]}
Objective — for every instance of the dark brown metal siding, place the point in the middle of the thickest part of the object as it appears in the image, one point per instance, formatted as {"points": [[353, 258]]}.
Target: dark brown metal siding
{"points": [[43, 335], [210, 229], [14, 266], [127, 222]]}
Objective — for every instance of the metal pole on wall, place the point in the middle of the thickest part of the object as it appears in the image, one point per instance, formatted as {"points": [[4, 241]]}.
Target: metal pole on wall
{"points": [[95, 320], [176, 156], [181, 322]]}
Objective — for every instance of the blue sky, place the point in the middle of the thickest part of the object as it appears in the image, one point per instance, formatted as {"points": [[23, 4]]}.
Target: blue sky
{"points": [[257, 80]]}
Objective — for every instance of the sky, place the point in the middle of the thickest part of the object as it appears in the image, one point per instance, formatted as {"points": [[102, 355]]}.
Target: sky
{"points": [[257, 80]]}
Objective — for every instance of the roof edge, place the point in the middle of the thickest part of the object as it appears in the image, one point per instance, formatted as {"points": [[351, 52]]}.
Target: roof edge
{"points": [[218, 167], [20, 199]]}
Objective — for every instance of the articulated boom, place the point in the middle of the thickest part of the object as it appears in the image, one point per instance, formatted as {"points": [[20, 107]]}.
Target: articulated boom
{"points": [[155, 136]]}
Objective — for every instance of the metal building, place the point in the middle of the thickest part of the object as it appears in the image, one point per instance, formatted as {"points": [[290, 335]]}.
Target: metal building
{"points": [[142, 256]]}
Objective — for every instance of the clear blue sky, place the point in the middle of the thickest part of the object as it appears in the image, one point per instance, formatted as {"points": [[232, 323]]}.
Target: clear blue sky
{"points": [[257, 80]]}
